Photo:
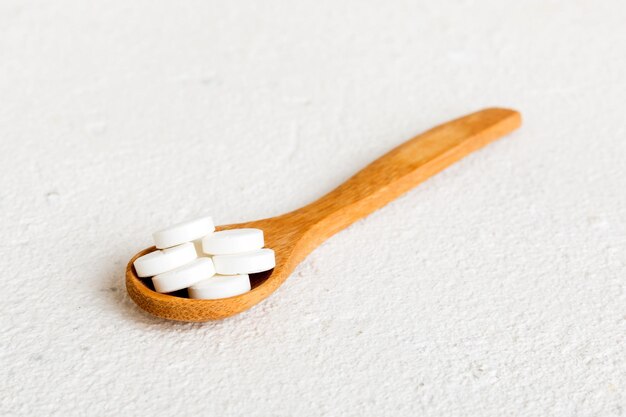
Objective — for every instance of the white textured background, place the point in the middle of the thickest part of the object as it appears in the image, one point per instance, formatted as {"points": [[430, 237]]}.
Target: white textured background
{"points": [[495, 289]]}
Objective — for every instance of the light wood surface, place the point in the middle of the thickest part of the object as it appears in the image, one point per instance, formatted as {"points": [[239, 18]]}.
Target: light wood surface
{"points": [[294, 235]]}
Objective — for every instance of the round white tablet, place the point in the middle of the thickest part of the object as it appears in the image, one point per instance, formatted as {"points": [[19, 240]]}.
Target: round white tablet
{"points": [[160, 261], [232, 241], [220, 286], [198, 245], [184, 276], [245, 263], [183, 232]]}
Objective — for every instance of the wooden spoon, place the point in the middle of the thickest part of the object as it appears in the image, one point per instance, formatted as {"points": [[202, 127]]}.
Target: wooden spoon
{"points": [[294, 235]]}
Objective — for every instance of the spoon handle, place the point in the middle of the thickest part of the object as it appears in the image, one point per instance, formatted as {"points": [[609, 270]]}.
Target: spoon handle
{"points": [[403, 168]]}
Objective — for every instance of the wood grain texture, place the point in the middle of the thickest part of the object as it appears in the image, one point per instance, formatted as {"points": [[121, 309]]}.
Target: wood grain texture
{"points": [[294, 235]]}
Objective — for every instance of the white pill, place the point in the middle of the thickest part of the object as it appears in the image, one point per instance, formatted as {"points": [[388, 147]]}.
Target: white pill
{"points": [[184, 276], [183, 232], [245, 263], [233, 241], [160, 261], [198, 245], [220, 286]]}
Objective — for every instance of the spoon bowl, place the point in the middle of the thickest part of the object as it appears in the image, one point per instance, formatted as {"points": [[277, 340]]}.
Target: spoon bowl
{"points": [[175, 307], [294, 235]]}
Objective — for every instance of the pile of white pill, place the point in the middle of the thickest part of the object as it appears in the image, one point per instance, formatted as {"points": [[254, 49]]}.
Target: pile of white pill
{"points": [[209, 264]]}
